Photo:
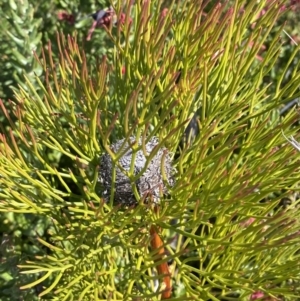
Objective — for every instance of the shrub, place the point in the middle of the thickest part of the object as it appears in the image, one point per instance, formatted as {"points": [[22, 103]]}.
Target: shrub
{"points": [[221, 233]]}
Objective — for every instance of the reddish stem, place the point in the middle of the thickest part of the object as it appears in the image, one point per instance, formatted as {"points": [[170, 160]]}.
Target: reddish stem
{"points": [[163, 268]]}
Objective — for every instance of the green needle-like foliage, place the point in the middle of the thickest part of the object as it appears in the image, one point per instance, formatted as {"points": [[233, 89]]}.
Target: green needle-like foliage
{"points": [[226, 234]]}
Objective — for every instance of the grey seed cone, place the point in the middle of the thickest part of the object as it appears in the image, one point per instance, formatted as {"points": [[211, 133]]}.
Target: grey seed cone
{"points": [[150, 183]]}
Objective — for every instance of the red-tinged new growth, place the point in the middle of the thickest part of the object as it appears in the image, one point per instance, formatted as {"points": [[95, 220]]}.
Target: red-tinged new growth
{"points": [[248, 222], [257, 295], [261, 296]]}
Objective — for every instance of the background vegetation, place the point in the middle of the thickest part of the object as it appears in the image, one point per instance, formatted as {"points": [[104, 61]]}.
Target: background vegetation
{"points": [[230, 225]]}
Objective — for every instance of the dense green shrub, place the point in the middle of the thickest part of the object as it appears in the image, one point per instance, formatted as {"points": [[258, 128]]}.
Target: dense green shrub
{"points": [[26, 25], [226, 234]]}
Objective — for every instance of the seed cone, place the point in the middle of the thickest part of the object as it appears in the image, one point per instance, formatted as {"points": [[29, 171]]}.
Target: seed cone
{"points": [[149, 184]]}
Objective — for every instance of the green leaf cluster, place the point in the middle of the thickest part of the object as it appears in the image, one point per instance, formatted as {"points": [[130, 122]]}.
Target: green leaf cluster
{"points": [[20, 38], [26, 25]]}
